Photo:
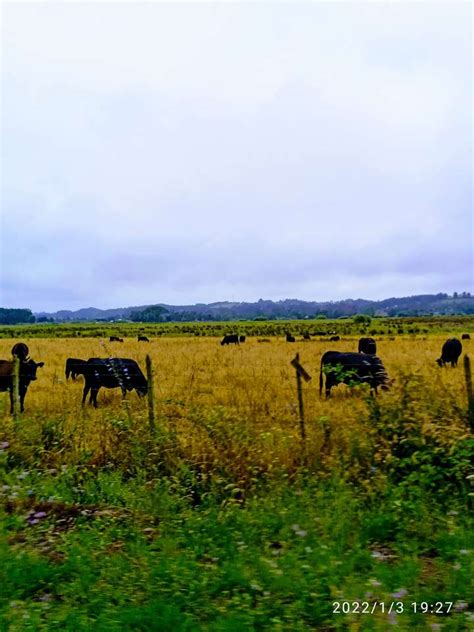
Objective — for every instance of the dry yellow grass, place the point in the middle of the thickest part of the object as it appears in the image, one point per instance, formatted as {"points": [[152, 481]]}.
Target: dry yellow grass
{"points": [[234, 406]]}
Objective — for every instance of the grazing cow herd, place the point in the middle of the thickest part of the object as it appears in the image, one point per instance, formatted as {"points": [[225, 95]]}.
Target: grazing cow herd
{"points": [[364, 367]]}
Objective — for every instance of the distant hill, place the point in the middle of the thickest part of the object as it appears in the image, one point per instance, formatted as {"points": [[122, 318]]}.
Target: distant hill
{"points": [[420, 305]]}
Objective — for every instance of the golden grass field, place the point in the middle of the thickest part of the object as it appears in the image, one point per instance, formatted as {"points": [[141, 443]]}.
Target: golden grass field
{"points": [[233, 407]]}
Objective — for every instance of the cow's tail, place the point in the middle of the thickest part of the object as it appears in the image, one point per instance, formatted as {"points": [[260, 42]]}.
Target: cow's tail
{"points": [[321, 378]]}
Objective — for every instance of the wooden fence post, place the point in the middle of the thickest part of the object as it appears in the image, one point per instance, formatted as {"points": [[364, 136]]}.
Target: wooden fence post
{"points": [[151, 394], [470, 395], [300, 373], [16, 387]]}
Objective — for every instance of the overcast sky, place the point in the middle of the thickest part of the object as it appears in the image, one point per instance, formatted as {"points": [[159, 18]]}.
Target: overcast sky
{"points": [[182, 153]]}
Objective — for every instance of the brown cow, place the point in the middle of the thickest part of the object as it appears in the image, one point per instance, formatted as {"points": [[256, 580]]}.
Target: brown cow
{"points": [[28, 370]]}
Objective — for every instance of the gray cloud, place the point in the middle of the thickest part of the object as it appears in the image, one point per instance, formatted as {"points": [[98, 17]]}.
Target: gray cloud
{"points": [[231, 152]]}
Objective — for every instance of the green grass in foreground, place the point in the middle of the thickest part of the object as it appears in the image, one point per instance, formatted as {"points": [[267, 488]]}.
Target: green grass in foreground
{"points": [[82, 550]]}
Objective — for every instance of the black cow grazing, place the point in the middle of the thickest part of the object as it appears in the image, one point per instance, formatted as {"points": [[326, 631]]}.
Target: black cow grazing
{"points": [[450, 352], [74, 367], [112, 373], [230, 339], [241, 338], [115, 339], [334, 338], [350, 368], [28, 370], [143, 339], [306, 336], [20, 350], [367, 345], [465, 337], [290, 338]]}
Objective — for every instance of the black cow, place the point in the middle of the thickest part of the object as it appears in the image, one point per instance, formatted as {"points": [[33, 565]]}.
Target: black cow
{"points": [[350, 368], [450, 352], [112, 373], [28, 370], [334, 338], [306, 336], [465, 337], [74, 367], [367, 345], [290, 338], [229, 339], [20, 350], [143, 339], [115, 339], [241, 338]]}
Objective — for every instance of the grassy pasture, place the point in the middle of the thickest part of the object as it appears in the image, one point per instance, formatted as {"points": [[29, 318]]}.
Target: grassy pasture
{"points": [[252, 385], [221, 520]]}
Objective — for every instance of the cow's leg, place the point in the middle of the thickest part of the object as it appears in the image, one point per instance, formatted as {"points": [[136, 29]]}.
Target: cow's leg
{"points": [[124, 392], [328, 387], [22, 399], [87, 387], [93, 397]]}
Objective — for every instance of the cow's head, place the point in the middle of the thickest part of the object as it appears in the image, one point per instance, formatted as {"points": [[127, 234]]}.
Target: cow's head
{"points": [[28, 369], [142, 390]]}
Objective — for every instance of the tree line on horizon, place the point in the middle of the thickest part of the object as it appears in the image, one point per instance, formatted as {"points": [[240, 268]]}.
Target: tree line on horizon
{"points": [[288, 309]]}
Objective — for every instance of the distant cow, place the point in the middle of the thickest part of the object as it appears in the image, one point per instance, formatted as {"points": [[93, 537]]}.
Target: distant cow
{"points": [[27, 374], [74, 367], [230, 339], [450, 352], [20, 350], [112, 373], [306, 336], [143, 339], [367, 345], [115, 339], [350, 368], [290, 338], [465, 337], [334, 338], [241, 338]]}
